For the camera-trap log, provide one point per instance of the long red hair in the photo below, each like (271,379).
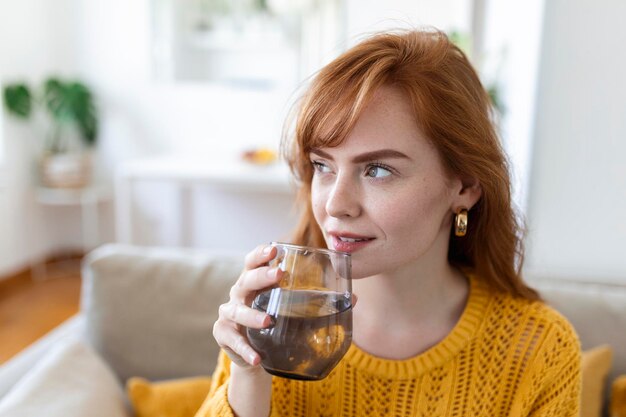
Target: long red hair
(453,110)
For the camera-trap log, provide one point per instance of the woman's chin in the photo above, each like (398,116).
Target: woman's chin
(360,270)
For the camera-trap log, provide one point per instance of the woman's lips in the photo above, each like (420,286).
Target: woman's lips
(349,244)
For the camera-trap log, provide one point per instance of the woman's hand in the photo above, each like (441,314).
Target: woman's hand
(236,314)
(249,392)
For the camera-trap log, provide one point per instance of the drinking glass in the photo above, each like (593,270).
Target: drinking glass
(311,309)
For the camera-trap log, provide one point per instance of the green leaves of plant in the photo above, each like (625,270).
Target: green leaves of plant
(18,100)
(70,102)
(67,102)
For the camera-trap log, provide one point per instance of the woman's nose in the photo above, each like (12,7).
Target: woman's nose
(343,198)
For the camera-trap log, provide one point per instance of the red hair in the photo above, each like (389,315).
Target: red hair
(453,110)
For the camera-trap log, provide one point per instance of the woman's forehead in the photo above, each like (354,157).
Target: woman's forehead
(386,119)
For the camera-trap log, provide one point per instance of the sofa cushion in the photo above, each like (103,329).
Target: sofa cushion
(595,366)
(150,311)
(618,397)
(71,380)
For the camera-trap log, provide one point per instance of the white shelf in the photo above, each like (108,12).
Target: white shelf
(68,196)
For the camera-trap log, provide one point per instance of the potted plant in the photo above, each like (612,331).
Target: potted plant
(72,127)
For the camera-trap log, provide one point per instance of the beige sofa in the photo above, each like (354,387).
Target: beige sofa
(149,312)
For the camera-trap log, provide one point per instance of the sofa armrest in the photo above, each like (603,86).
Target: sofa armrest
(13,370)
(71,380)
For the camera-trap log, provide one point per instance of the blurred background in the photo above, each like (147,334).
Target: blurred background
(157,122)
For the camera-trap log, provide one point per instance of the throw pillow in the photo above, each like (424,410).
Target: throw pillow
(70,381)
(174,398)
(618,397)
(596,364)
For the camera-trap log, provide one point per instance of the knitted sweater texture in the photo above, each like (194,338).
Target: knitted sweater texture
(505,357)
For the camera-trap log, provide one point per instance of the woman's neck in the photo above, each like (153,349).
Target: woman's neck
(404,312)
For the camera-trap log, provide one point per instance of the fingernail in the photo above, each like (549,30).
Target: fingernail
(266,318)
(267,250)
(272,272)
(261,318)
(251,358)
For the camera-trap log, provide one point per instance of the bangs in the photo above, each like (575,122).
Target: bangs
(330,114)
(335,100)
(338,96)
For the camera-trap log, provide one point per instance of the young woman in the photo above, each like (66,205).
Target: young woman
(399,164)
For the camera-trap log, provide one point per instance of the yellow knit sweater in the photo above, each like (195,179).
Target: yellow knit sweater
(505,357)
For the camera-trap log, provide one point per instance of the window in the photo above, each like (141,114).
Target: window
(242,43)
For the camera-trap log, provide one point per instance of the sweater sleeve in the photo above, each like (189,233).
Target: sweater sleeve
(555,383)
(216,403)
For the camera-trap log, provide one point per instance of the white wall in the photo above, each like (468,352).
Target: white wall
(367,16)
(143,116)
(108,45)
(147,116)
(578,181)
(509,57)
(578,191)
(35,41)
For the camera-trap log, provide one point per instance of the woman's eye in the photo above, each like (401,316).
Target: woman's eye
(320,167)
(377,171)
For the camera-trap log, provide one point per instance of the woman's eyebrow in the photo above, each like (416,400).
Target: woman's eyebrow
(367,156)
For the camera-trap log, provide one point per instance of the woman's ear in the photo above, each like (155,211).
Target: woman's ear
(469,193)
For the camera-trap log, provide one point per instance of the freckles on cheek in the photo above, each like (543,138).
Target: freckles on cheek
(397,208)
(402,218)
(318,206)
(390,216)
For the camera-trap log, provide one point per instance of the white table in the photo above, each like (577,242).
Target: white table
(230,174)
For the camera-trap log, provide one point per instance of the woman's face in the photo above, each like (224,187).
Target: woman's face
(383,194)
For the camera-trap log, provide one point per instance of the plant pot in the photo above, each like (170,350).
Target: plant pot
(66,170)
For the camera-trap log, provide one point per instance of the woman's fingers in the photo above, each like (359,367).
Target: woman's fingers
(252,281)
(244,315)
(236,314)
(260,256)
(235,345)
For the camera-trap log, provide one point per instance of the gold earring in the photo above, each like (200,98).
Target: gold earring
(460,222)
